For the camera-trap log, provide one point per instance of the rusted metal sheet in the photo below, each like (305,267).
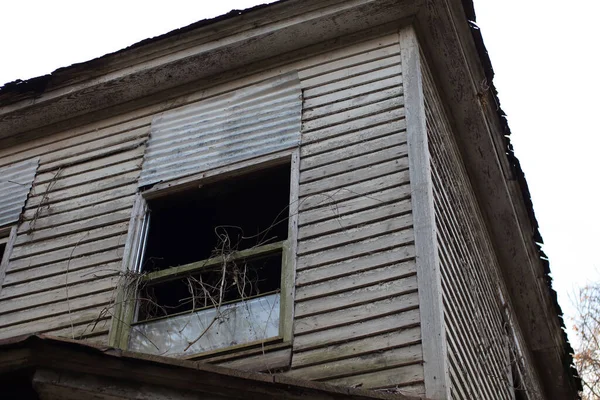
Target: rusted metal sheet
(235,126)
(15,184)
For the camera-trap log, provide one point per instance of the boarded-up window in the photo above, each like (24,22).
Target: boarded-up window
(249,122)
(15,184)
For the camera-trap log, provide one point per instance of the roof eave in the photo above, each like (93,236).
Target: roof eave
(177,60)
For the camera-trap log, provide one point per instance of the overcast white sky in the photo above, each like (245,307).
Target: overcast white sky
(544,52)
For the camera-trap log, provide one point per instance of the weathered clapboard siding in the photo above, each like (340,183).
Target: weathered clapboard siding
(479,350)
(356,304)
(356,279)
(65,263)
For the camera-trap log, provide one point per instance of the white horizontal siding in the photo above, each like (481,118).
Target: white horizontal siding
(356,305)
(479,365)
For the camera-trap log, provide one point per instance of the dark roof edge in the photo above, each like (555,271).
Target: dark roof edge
(519,174)
(43,350)
(37,85)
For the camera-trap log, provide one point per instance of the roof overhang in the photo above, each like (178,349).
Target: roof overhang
(172,63)
(178,59)
(56,369)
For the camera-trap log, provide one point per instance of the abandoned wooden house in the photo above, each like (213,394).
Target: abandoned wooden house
(322,190)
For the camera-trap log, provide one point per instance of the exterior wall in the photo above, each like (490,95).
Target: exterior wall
(356,315)
(356,302)
(485,348)
(66,258)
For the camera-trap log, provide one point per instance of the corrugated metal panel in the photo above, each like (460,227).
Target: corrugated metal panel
(236,126)
(15,184)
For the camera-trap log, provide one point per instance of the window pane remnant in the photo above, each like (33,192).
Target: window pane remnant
(233,324)
(232,280)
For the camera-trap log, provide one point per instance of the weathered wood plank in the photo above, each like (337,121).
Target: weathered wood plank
(70,253)
(69,138)
(357,330)
(369,121)
(326,61)
(313,148)
(383,84)
(351,102)
(355,281)
(350,235)
(91,200)
(353,149)
(69,241)
(344,166)
(399,195)
(101,259)
(357,313)
(357,249)
(92,165)
(414,390)
(393,104)
(53,315)
(396,377)
(375,53)
(82,190)
(377,259)
(354,194)
(94,148)
(363,295)
(262,362)
(85,178)
(377,74)
(342,181)
(358,347)
(57,301)
(368,67)
(98,326)
(66,230)
(348,221)
(52,220)
(364,364)
(48,283)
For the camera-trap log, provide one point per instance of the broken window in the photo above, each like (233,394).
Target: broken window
(212,265)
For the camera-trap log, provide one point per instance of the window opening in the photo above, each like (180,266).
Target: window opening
(215,252)
(3,243)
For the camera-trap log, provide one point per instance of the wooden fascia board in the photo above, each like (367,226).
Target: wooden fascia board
(295,29)
(450,49)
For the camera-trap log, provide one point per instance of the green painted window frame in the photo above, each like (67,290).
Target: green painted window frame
(126,301)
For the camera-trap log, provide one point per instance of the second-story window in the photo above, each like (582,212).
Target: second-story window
(212,265)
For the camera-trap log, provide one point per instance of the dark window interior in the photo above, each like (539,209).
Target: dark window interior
(232,214)
(2,249)
(214,220)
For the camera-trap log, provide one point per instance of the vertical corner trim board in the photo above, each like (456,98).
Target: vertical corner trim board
(428,263)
